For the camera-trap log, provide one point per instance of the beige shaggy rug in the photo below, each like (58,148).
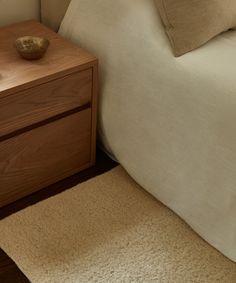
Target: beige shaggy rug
(108,229)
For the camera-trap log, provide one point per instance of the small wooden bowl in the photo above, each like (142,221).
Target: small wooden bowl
(31,47)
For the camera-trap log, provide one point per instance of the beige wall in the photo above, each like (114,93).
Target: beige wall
(53,12)
(12,11)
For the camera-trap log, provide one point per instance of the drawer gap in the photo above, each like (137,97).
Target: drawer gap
(45,122)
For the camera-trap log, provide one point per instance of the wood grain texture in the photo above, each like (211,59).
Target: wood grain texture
(45,155)
(45,132)
(46,100)
(62,58)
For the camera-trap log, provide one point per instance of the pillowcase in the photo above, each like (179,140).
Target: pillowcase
(53,11)
(191,23)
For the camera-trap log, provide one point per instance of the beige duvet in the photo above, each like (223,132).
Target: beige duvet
(171,122)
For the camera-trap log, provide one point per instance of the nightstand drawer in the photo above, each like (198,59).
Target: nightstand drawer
(44,155)
(36,104)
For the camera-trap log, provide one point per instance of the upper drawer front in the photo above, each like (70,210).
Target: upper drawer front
(44,101)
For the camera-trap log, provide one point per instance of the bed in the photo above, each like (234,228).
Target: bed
(169,121)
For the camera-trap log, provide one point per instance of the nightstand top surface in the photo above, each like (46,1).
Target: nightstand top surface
(61,59)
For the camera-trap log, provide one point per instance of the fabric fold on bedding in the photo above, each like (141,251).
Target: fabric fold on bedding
(169,121)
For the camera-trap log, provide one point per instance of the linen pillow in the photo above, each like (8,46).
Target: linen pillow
(191,23)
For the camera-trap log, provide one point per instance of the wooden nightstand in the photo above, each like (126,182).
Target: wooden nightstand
(47,113)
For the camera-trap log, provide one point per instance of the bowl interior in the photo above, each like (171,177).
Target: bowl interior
(31,44)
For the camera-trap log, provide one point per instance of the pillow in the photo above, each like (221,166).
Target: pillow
(53,11)
(191,23)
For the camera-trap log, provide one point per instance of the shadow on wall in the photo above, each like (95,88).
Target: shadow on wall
(53,11)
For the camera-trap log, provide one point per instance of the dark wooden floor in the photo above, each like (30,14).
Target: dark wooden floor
(9,273)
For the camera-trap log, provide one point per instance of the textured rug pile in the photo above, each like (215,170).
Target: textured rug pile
(108,229)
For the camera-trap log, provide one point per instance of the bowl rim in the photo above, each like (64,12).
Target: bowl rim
(19,39)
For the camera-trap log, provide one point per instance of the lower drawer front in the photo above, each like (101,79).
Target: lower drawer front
(45,155)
